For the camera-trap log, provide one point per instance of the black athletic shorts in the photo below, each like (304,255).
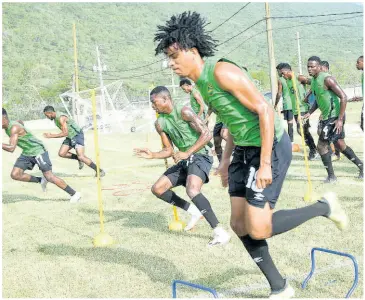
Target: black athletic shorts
(217,129)
(288,115)
(327,132)
(306,122)
(243,170)
(77,140)
(28,162)
(196,164)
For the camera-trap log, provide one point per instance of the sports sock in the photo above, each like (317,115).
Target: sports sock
(93,166)
(170,197)
(327,162)
(337,152)
(219,157)
(35,179)
(349,153)
(74,156)
(259,251)
(69,190)
(291,131)
(203,205)
(285,220)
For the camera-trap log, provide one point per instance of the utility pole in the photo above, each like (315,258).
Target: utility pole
(299,57)
(76,77)
(99,68)
(165,65)
(273,79)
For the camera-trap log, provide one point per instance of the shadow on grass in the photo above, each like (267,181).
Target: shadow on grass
(156,268)
(135,219)
(14,198)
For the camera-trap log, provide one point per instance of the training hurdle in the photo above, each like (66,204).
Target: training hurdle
(192,285)
(356,269)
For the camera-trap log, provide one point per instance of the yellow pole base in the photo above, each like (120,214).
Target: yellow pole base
(177,225)
(103,240)
(310,197)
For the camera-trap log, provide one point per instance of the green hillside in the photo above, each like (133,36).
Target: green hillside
(38,46)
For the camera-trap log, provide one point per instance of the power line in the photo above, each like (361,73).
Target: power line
(136,68)
(323,15)
(230,17)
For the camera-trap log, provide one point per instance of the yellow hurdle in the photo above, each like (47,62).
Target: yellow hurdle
(176,224)
(308,197)
(102,239)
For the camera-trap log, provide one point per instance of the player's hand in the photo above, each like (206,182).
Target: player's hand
(47,135)
(206,121)
(222,171)
(264,177)
(177,156)
(338,126)
(306,117)
(143,153)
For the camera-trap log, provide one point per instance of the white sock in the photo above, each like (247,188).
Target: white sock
(193,210)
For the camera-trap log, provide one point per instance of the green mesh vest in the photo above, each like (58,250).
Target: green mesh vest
(286,97)
(30,145)
(72,128)
(179,131)
(242,123)
(304,107)
(328,102)
(195,105)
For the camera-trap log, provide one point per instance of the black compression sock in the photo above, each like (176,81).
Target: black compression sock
(171,198)
(327,162)
(93,166)
(349,153)
(74,156)
(285,220)
(206,210)
(259,251)
(291,131)
(35,179)
(69,190)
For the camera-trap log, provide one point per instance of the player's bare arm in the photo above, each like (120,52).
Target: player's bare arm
(332,84)
(200,100)
(13,141)
(198,125)
(226,160)
(231,79)
(278,95)
(166,151)
(64,130)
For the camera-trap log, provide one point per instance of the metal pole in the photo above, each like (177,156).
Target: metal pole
(273,79)
(76,78)
(299,56)
(102,100)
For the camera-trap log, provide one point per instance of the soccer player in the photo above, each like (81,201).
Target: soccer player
(360,66)
(181,126)
(263,149)
(196,100)
(287,105)
(74,138)
(34,153)
(331,100)
(287,73)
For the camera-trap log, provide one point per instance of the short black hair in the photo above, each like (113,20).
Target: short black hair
(325,64)
(48,108)
(285,66)
(188,31)
(185,81)
(315,58)
(361,57)
(278,67)
(160,90)
(4,112)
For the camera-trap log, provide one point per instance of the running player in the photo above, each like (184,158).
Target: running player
(193,160)
(283,91)
(34,153)
(360,66)
(331,100)
(263,150)
(287,73)
(196,100)
(74,138)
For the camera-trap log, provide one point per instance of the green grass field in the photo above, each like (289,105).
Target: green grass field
(47,242)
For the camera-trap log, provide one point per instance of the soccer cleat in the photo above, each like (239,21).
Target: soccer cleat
(332,179)
(102,173)
(285,293)
(220,237)
(81,164)
(44,182)
(313,155)
(75,198)
(337,215)
(335,157)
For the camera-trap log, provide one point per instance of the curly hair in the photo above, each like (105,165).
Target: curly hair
(188,31)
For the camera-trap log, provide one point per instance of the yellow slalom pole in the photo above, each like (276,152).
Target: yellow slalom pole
(176,224)
(102,239)
(308,197)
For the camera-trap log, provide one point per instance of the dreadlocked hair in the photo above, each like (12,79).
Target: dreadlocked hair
(188,31)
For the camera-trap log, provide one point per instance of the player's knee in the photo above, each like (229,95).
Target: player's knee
(62,154)
(192,191)
(49,176)
(260,233)
(15,175)
(157,190)
(238,227)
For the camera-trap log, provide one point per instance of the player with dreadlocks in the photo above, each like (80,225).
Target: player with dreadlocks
(263,150)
